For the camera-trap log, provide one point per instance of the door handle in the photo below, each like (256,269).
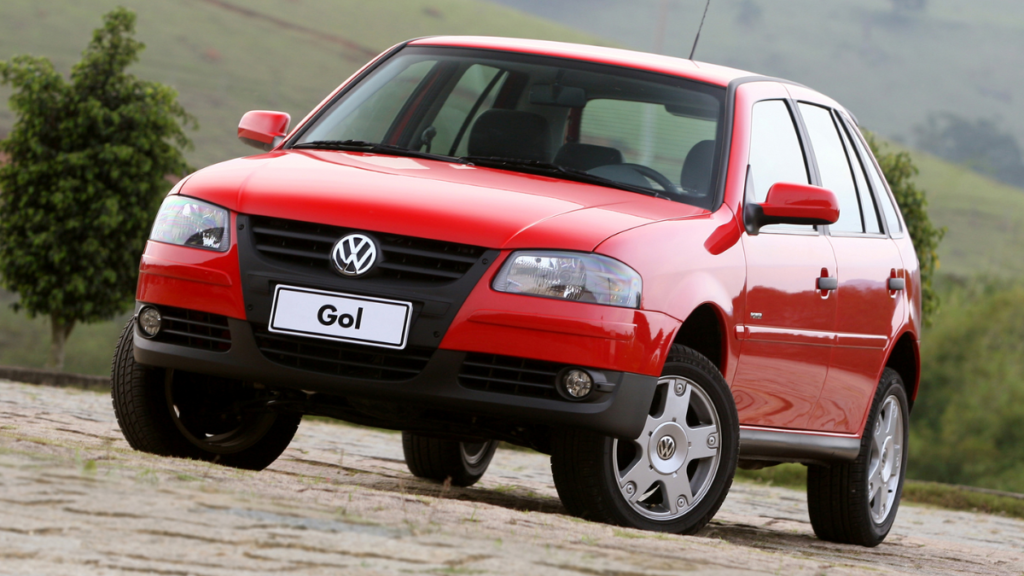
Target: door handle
(897,284)
(827,283)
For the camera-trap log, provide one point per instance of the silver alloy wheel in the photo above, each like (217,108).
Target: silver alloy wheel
(473,452)
(249,431)
(885,459)
(669,468)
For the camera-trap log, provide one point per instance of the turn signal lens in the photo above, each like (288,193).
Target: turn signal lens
(570,276)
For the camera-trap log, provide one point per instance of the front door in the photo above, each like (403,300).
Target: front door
(790,324)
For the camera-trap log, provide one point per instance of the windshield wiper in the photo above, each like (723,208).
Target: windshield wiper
(364,146)
(567,173)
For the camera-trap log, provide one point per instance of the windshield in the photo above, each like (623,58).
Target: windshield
(613,126)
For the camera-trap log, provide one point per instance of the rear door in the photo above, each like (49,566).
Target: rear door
(788,331)
(868,312)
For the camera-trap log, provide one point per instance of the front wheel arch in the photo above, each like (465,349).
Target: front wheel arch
(704,332)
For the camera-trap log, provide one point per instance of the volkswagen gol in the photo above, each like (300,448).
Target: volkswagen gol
(650,268)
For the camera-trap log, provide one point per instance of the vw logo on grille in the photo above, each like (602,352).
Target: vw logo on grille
(354,255)
(666,447)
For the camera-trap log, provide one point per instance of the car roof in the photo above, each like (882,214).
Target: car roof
(701,71)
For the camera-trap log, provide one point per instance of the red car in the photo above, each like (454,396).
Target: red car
(652,269)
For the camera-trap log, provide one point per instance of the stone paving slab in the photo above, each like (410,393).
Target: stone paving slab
(75,499)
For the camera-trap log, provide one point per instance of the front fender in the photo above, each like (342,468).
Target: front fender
(680,272)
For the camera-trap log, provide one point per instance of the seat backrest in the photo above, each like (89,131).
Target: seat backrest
(697,168)
(510,134)
(586,156)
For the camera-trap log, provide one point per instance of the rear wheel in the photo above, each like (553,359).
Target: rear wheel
(187,415)
(438,459)
(855,502)
(675,475)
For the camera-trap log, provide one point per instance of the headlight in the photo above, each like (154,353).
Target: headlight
(570,276)
(189,222)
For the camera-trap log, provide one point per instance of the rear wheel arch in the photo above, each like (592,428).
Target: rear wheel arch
(905,359)
(704,332)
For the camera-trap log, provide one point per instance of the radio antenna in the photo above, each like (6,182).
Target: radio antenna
(697,39)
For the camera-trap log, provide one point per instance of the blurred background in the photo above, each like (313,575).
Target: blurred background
(940,78)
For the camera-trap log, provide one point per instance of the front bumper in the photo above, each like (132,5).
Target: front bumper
(620,409)
(455,322)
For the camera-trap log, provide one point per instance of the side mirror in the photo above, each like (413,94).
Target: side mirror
(789,203)
(263,129)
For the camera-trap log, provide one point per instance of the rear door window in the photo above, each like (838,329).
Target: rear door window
(882,193)
(834,167)
(872,225)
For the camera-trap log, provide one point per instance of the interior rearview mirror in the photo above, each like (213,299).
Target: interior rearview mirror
(263,129)
(557,95)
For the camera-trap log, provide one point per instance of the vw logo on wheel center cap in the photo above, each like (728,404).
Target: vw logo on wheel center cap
(354,255)
(666,447)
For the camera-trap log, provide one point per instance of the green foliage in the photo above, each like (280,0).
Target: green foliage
(785,475)
(966,426)
(88,160)
(899,171)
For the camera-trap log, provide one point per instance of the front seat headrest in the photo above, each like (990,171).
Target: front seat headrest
(697,168)
(510,134)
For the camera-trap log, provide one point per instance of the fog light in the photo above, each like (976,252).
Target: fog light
(577,384)
(149,321)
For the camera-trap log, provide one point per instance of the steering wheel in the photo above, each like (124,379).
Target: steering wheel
(657,177)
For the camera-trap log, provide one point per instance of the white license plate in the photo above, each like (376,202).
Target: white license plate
(341,317)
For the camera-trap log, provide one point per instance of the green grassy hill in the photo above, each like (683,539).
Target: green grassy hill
(226,57)
(985,219)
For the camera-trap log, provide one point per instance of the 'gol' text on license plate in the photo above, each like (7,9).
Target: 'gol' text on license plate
(342,317)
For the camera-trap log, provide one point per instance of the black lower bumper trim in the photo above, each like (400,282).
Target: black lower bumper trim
(620,412)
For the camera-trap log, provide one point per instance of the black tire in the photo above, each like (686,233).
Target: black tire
(144,403)
(586,468)
(437,459)
(843,502)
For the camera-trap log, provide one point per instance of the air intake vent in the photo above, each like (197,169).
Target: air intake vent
(404,257)
(509,375)
(194,329)
(340,359)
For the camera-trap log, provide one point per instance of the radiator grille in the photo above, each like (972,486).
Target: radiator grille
(404,257)
(339,358)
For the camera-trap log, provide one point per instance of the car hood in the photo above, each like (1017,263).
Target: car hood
(429,199)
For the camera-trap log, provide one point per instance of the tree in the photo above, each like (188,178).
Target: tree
(87,164)
(899,169)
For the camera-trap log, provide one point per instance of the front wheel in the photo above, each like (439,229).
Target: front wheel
(675,475)
(186,415)
(855,502)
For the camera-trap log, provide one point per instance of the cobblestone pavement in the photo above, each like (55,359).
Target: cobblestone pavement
(74,499)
